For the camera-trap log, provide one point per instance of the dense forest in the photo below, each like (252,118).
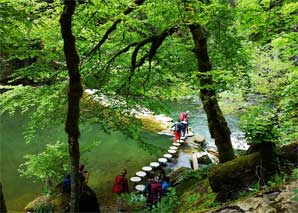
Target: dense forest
(91,64)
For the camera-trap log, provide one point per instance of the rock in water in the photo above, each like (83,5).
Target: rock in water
(203,158)
(199,139)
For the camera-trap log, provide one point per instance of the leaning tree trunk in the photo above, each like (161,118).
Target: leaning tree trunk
(74,96)
(2,201)
(217,124)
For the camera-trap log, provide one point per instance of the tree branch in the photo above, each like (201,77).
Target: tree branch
(113,28)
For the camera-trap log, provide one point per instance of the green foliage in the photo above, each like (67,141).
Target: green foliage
(50,166)
(135,201)
(168,203)
(295,198)
(269,30)
(294,174)
(260,124)
(277,180)
(44,208)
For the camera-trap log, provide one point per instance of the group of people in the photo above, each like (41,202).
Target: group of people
(155,189)
(180,127)
(156,186)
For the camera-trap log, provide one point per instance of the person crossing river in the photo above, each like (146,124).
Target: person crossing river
(177,127)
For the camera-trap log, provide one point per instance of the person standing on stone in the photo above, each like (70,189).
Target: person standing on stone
(153,191)
(184,126)
(184,117)
(177,130)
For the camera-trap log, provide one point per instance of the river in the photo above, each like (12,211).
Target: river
(106,160)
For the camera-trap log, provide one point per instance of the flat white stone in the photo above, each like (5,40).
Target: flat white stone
(154,164)
(141,174)
(176,144)
(147,168)
(135,179)
(140,187)
(173,147)
(180,141)
(162,160)
(190,134)
(169,156)
(171,151)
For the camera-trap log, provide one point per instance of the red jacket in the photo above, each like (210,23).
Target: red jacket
(182,116)
(120,185)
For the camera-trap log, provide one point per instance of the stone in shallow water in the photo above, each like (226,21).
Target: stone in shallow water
(141,174)
(147,168)
(154,164)
(140,187)
(162,160)
(135,179)
(169,156)
(171,151)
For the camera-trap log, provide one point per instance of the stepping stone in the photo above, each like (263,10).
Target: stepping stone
(162,160)
(183,138)
(147,168)
(171,151)
(169,156)
(141,174)
(135,179)
(180,141)
(140,187)
(190,134)
(176,144)
(173,147)
(154,164)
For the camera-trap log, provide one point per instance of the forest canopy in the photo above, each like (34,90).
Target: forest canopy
(141,52)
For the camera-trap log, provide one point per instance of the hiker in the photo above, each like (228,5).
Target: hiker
(184,126)
(165,185)
(121,183)
(84,175)
(66,184)
(177,130)
(152,191)
(184,116)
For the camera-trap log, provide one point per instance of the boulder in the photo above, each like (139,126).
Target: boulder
(203,158)
(44,201)
(213,152)
(229,178)
(199,139)
(273,200)
(59,201)
(289,153)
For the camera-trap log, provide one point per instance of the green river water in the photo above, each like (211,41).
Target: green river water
(104,162)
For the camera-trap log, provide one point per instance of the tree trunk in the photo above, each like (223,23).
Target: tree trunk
(74,96)
(2,201)
(217,124)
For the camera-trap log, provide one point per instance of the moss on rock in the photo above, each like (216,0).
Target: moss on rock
(229,178)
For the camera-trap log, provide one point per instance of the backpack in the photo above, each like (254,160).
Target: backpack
(155,191)
(178,127)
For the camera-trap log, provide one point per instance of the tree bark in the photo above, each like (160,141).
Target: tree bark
(217,124)
(74,96)
(2,201)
